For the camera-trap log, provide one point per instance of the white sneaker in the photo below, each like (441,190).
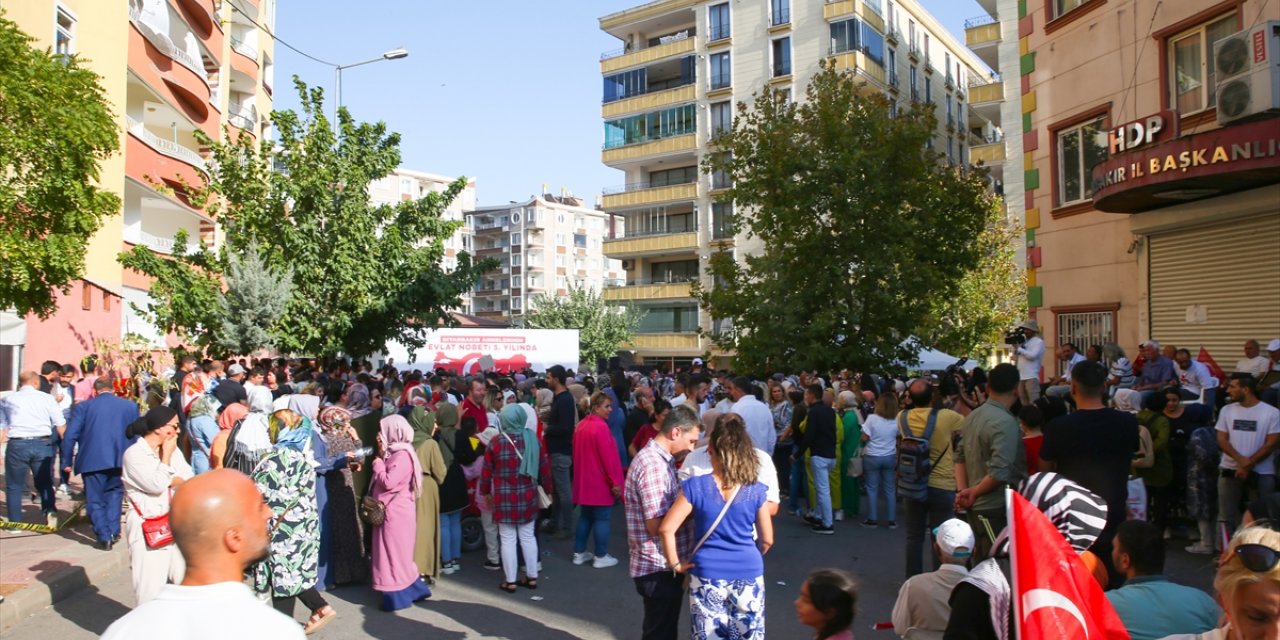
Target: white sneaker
(448,569)
(64,491)
(839,516)
(52,519)
(1201,549)
(604,562)
(583,558)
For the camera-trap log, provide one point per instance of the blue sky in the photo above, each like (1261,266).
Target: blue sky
(502,91)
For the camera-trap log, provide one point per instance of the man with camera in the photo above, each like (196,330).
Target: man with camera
(1029,348)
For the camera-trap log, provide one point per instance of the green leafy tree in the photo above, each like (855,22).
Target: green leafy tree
(602,328)
(185,291)
(253,303)
(55,130)
(991,298)
(862,229)
(362,275)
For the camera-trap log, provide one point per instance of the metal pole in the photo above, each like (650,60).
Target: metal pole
(337,97)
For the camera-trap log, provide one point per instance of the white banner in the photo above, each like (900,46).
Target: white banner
(461,350)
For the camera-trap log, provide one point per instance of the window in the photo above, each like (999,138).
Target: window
(580,240)
(722,226)
(784,95)
(64,35)
(718,22)
(928,90)
(844,36)
(646,127)
(891,57)
(1079,148)
(720,179)
(1191,70)
(721,118)
(681,319)
(872,43)
(625,85)
(561,282)
(515,239)
(515,259)
(1086,328)
(560,238)
(950,118)
(946,66)
(781,11)
(721,71)
(561,260)
(911,34)
(681,175)
(915,95)
(1063,7)
(678,271)
(781,57)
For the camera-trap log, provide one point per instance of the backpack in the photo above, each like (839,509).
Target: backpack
(914,464)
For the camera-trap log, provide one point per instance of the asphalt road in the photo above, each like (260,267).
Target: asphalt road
(576,601)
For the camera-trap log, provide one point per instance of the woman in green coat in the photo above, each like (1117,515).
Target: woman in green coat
(850,446)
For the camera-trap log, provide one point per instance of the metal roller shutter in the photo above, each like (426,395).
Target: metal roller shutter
(1230,273)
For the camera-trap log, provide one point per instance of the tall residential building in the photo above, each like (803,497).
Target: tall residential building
(1152,171)
(404,184)
(169,68)
(672,86)
(543,245)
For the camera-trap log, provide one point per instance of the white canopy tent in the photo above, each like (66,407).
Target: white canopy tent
(929,359)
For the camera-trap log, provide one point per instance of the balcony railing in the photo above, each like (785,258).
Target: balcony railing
(657,230)
(638,186)
(243,48)
(979,81)
(718,32)
(162,245)
(166,147)
(675,37)
(913,50)
(638,282)
(781,15)
(244,116)
(893,78)
(648,91)
(874,5)
(980,21)
(721,80)
(165,45)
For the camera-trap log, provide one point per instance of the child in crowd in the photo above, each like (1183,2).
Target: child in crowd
(827,601)
(1031,419)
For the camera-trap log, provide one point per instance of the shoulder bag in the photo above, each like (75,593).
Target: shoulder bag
(544,500)
(373,510)
(155,531)
(710,530)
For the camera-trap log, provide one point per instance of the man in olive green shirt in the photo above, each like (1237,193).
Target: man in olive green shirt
(991,457)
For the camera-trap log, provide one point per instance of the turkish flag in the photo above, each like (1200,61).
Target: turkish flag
(1055,596)
(1214,369)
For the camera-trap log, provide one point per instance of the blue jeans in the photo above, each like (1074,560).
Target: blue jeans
(562,482)
(593,521)
(450,536)
(34,455)
(822,486)
(798,488)
(879,476)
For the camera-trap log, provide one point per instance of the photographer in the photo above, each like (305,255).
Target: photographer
(1030,350)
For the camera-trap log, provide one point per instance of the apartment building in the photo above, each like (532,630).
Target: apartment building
(1152,171)
(404,184)
(543,246)
(672,85)
(169,68)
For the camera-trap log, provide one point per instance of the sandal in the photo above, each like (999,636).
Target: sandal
(508,587)
(528,583)
(319,619)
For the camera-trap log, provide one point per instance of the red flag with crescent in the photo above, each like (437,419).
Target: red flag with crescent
(1055,595)
(1214,370)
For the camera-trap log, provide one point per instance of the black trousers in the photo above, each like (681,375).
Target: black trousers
(310,598)
(663,595)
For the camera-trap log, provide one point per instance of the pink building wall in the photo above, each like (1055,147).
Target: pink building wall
(70,333)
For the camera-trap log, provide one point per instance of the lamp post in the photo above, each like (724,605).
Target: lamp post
(394,54)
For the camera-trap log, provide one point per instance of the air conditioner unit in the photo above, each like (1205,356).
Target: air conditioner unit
(627,265)
(1247,66)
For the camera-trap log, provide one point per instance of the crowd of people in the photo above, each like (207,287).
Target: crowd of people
(365,476)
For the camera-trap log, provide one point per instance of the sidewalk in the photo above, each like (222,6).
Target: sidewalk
(39,569)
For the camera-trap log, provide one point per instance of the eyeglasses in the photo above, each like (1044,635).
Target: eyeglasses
(1257,558)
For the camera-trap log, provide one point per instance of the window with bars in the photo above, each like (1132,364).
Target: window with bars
(1086,328)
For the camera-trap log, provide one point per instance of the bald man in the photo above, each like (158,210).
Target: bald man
(219,522)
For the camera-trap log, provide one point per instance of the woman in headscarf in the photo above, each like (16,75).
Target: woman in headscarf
(426,551)
(287,479)
(358,400)
(153,466)
(460,453)
(202,429)
(515,464)
(306,407)
(342,557)
(249,440)
(397,483)
(850,444)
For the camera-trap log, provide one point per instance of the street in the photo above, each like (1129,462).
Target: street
(577,601)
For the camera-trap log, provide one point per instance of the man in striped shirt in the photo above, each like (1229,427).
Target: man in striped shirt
(650,489)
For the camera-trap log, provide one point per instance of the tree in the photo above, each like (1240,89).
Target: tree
(254,301)
(863,229)
(602,327)
(362,275)
(55,130)
(991,298)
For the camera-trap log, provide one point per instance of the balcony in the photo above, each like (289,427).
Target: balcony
(621,59)
(643,194)
(639,291)
(982,36)
(867,69)
(651,245)
(913,52)
(633,152)
(990,152)
(675,342)
(164,147)
(650,101)
(165,45)
(865,9)
(243,116)
(152,219)
(243,48)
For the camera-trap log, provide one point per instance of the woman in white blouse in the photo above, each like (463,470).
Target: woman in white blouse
(153,467)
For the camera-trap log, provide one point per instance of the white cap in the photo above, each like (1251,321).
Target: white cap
(955,538)
(1274,345)
(697,361)
(280,404)
(235,369)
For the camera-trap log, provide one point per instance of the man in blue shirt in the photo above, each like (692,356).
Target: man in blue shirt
(98,426)
(30,418)
(1150,606)
(1157,371)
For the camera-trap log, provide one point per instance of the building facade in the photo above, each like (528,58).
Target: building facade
(543,246)
(403,185)
(1152,171)
(169,68)
(672,86)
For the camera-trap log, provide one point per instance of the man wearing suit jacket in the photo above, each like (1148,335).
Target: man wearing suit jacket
(98,425)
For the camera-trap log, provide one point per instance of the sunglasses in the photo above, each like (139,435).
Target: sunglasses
(1257,558)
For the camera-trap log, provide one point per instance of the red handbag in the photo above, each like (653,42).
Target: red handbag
(155,531)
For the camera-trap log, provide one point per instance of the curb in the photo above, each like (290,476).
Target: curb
(60,585)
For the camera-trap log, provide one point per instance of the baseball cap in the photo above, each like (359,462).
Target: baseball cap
(955,538)
(697,360)
(235,369)
(1274,345)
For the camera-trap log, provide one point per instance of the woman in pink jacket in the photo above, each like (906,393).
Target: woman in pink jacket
(597,482)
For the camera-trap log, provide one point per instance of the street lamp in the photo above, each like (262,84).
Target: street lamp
(394,54)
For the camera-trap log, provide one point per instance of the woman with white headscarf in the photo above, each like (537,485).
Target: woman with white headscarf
(250,439)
